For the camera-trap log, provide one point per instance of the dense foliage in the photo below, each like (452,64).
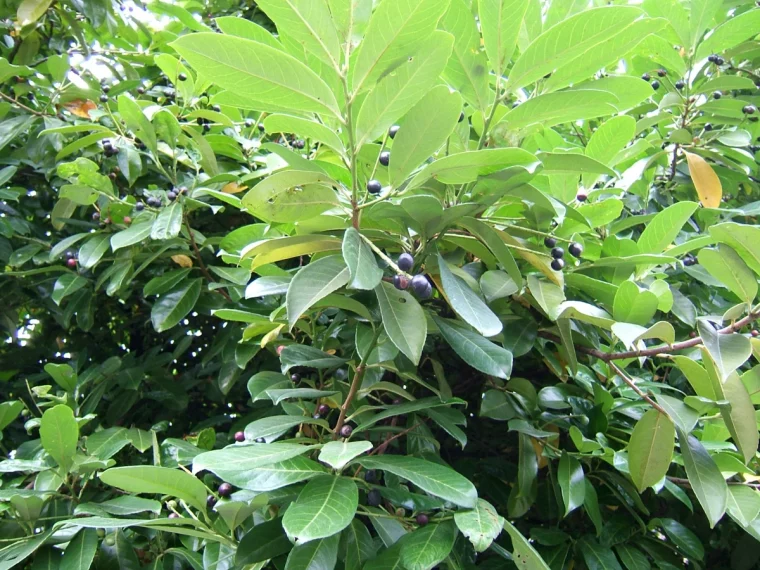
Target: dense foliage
(380,284)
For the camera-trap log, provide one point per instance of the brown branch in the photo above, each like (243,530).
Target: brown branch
(21,105)
(355,383)
(380,449)
(657,350)
(628,380)
(202,265)
(687,483)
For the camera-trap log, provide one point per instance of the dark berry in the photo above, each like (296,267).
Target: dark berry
(550,242)
(400,282)
(405,262)
(558,264)
(141,90)
(581,196)
(370,476)
(69,255)
(680,84)
(461,116)
(749,109)
(374,498)
(95,217)
(249,123)
(200,121)
(558,253)
(261,127)
(341,374)
(421,286)
(712,58)
(646,77)
(295,378)
(104,98)
(106,88)
(206,127)
(689,260)
(662,72)
(374,186)
(299,143)
(71,263)
(717,95)
(385,158)
(239,436)
(171,195)
(575,249)
(422,519)
(139,206)
(259,440)
(323,409)
(655,85)
(316,416)
(217,108)
(224,490)
(346,431)
(210,501)
(708,127)
(182,77)
(393,130)
(719,60)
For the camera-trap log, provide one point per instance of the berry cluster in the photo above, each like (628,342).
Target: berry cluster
(558,254)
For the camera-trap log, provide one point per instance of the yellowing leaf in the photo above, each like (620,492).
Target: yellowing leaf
(182,260)
(80,108)
(233,188)
(705,180)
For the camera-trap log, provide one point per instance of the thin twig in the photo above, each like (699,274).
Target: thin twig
(21,105)
(355,383)
(628,380)
(202,265)
(380,449)
(687,483)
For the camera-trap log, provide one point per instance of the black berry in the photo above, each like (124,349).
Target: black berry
(374,186)
(575,249)
(422,519)
(239,436)
(749,109)
(655,85)
(558,253)
(182,77)
(550,242)
(558,264)
(708,127)
(206,128)
(299,143)
(689,260)
(662,72)
(712,58)
(104,98)
(346,431)
(680,85)
(400,282)
(139,206)
(374,498)
(106,88)
(249,123)
(393,130)
(646,77)
(581,197)
(370,476)
(210,501)
(385,158)
(323,409)
(421,286)
(171,195)
(95,217)
(141,90)
(224,490)
(719,60)
(261,127)
(296,378)
(405,262)
(216,108)
(717,95)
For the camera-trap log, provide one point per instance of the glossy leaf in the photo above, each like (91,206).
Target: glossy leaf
(571,482)
(475,350)
(80,552)
(314,282)
(427,546)
(650,449)
(325,507)
(362,266)
(315,555)
(481,525)
(157,480)
(172,307)
(727,267)
(705,478)
(403,320)
(665,226)
(728,351)
(500,25)
(339,453)
(59,434)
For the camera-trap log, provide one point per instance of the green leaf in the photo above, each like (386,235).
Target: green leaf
(743,504)
(278,396)
(743,238)
(740,416)
(500,23)
(427,546)
(63,375)
(465,167)
(700,17)
(137,122)
(728,351)
(466,303)
(467,69)
(365,274)
(608,140)
(481,525)
(683,538)
(268,285)
(263,542)
(132,235)
(704,476)
(730,33)
(339,453)
(245,66)
(397,92)
(29,11)
(497,285)
(493,241)
(315,555)
(80,552)
(325,506)
(358,545)
(475,350)
(9,411)
(240,458)
(727,267)
(523,552)
(433,478)
(291,196)
(314,282)
(403,320)
(632,558)
(273,427)
(422,133)
(552,109)
(633,304)
(310,129)
(598,557)
(396,31)
(179,13)
(572,163)
(157,480)
(591,39)
(663,229)
(93,250)
(67,284)
(308,356)
(172,307)
(631,334)
(309,23)
(168,223)
(59,434)
(650,449)
(571,482)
